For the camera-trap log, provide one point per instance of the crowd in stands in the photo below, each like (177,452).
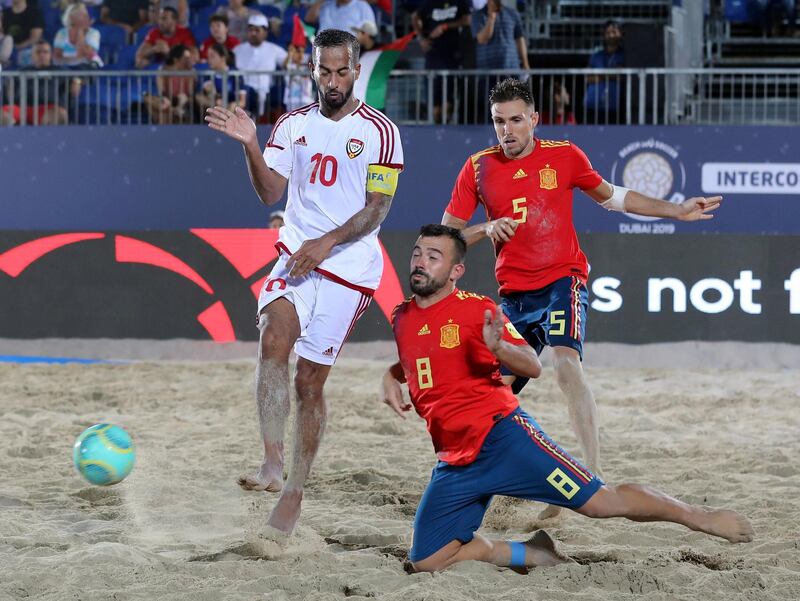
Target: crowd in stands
(193,44)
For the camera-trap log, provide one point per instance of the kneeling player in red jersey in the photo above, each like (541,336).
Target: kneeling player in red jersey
(451,346)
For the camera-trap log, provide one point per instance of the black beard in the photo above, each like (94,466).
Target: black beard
(344,97)
(427,288)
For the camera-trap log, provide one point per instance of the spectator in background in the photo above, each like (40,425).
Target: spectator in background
(559,112)
(500,45)
(602,99)
(77,43)
(46,102)
(128,14)
(257,54)
(340,14)
(173,103)
(25,24)
(437,23)
(181,7)
(221,89)
(159,40)
(299,89)
(366,34)
(238,15)
(218,27)
(276,217)
(6,46)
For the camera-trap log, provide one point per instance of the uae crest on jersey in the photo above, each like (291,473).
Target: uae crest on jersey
(354,147)
(449,336)
(547,178)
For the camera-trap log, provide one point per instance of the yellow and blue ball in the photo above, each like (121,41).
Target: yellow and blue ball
(104,454)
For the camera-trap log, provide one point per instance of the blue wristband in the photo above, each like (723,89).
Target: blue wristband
(517,554)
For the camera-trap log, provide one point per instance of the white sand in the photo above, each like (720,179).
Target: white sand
(179,528)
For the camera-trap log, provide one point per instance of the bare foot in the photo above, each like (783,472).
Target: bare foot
(727,524)
(543,548)
(549,512)
(265,479)
(286,511)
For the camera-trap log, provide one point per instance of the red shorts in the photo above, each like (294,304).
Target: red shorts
(30,111)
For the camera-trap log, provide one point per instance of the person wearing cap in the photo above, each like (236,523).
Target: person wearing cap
(341,14)
(238,15)
(366,35)
(276,220)
(257,54)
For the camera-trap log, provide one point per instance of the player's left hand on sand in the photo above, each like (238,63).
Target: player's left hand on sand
(310,254)
(493,325)
(699,207)
(236,125)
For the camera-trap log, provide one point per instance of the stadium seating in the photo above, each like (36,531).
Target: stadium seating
(113,39)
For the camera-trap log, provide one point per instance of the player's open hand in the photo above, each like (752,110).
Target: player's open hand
(235,124)
(699,207)
(501,230)
(392,394)
(493,324)
(310,254)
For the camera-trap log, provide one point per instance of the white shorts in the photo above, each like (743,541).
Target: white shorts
(327,311)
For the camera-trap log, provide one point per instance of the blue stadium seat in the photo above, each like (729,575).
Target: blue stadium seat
(200,33)
(201,16)
(113,38)
(738,11)
(126,59)
(269,11)
(52,21)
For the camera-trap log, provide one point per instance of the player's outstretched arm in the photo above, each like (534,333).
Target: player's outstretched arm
(499,230)
(522,359)
(392,392)
(268,184)
(617,198)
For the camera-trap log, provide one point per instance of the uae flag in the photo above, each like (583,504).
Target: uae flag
(375,67)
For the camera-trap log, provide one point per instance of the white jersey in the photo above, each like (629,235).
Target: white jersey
(326,164)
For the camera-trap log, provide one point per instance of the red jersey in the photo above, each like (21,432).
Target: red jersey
(182,35)
(535,191)
(230,43)
(453,377)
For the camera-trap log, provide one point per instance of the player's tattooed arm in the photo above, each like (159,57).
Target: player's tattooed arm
(313,252)
(391,391)
(693,209)
(520,359)
(499,230)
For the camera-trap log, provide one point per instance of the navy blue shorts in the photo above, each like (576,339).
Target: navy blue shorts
(551,316)
(517,460)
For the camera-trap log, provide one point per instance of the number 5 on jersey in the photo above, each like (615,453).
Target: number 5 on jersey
(322,165)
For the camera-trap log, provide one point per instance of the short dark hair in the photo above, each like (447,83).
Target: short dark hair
(175,54)
(331,38)
(227,55)
(169,9)
(219,18)
(435,230)
(611,22)
(511,89)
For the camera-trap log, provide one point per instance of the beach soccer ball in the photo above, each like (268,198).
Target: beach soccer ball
(104,454)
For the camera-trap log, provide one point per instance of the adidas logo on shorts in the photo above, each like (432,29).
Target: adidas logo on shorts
(329,352)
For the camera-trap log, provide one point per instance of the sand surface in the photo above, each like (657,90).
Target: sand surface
(179,528)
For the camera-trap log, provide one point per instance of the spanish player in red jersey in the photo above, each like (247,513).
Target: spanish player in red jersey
(525,185)
(451,345)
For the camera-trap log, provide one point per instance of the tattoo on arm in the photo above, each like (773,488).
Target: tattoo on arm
(366,220)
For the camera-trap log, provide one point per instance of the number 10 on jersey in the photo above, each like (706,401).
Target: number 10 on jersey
(325,167)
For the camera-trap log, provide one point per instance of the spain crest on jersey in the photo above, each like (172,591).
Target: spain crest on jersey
(547,178)
(354,147)
(449,336)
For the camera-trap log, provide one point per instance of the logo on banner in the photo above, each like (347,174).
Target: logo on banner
(354,147)
(651,167)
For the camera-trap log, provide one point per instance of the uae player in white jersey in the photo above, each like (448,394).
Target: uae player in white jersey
(340,159)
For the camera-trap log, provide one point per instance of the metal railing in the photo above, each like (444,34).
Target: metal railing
(582,96)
